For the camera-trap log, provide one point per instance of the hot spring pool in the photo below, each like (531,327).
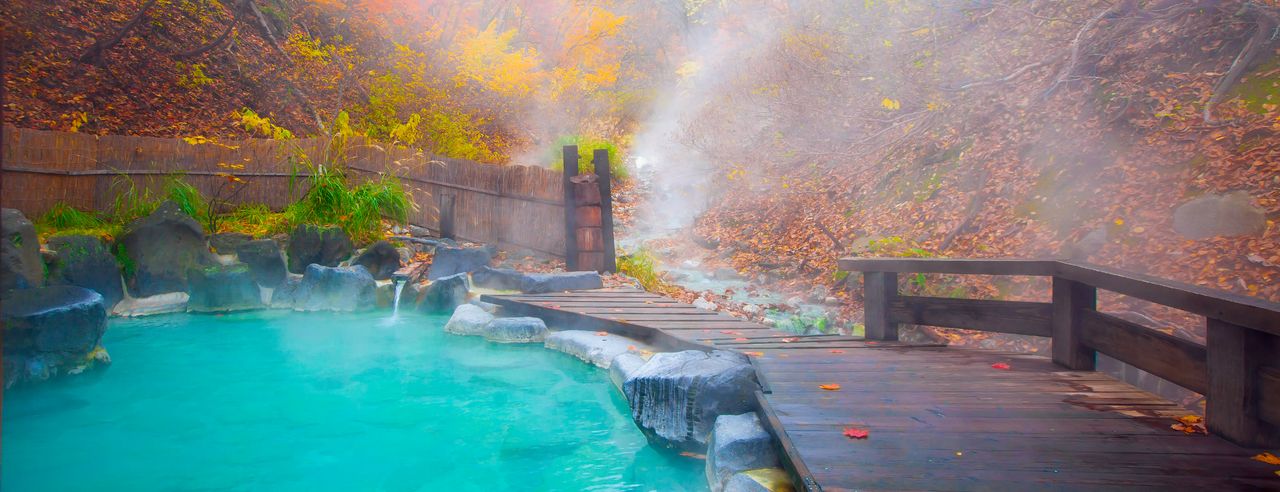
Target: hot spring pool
(274,400)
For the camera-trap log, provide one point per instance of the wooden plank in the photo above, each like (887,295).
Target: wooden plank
(1069,298)
(570,153)
(948,265)
(600,160)
(1240,310)
(792,460)
(881,288)
(1181,361)
(1269,394)
(1020,318)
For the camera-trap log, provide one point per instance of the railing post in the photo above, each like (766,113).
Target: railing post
(1069,298)
(881,288)
(600,159)
(1235,355)
(570,208)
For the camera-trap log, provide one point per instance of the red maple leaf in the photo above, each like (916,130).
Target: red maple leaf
(1001,366)
(855,433)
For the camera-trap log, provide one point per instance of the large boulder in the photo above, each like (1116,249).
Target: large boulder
(50,331)
(445,294)
(592,347)
(1231,214)
(225,243)
(452,261)
(622,367)
(468,319)
(20,264)
(309,244)
(264,260)
(541,283)
(381,259)
(498,278)
(221,288)
(516,330)
(675,397)
(759,480)
(160,249)
(738,443)
(86,261)
(328,289)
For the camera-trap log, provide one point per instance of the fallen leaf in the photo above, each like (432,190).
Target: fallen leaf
(855,433)
(1001,366)
(602,333)
(755,354)
(837,351)
(789,339)
(688,454)
(1194,419)
(1268,458)
(829,387)
(730,332)
(631,348)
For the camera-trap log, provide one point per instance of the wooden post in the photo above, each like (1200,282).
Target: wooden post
(570,202)
(880,289)
(600,159)
(1069,298)
(1235,356)
(446,217)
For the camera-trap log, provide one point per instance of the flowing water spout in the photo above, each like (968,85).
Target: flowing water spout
(398,280)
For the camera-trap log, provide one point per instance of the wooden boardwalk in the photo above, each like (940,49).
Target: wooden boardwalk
(938,418)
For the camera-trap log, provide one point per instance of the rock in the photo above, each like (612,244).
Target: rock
(738,443)
(286,294)
(486,306)
(160,249)
(222,288)
(759,480)
(599,350)
(705,242)
(325,288)
(264,260)
(445,294)
(750,308)
(819,293)
(225,243)
(416,231)
(20,264)
(85,261)
(701,303)
(468,319)
(381,260)
(540,283)
(516,330)
(1231,214)
(452,261)
(172,302)
(622,367)
(726,274)
(1088,245)
(690,264)
(405,252)
(498,278)
(309,244)
(675,397)
(831,301)
(50,330)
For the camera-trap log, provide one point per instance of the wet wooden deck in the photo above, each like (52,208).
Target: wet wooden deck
(938,418)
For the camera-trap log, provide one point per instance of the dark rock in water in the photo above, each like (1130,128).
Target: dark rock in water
(225,243)
(20,264)
(675,397)
(309,245)
(516,330)
(160,249)
(50,331)
(738,443)
(264,260)
(445,294)
(285,294)
(381,259)
(222,288)
(726,274)
(622,367)
(498,278)
(452,261)
(540,283)
(85,261)
(328,289)
(1232,214)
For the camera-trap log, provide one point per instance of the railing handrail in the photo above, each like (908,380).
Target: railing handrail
(1238,367)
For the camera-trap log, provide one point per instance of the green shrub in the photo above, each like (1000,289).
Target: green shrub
(188,198)
(359,210)
(130,203)
(642,266)
(63,216)
(254,219)
(586,151)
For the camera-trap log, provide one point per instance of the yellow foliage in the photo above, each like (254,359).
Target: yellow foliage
(487,58)
(891,104)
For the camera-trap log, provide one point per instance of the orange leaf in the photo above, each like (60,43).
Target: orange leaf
(789,339)
(837,351)
(1267,458)
(1001,366)
(689,454)
(602,333)
(855,433)
(829,387)
(755,354)
(740,339)
(1194,419)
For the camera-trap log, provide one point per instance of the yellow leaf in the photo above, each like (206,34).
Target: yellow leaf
(1191,419)
(829,387)
(888,44)
(1119,222)
(1268,458)
(890,104)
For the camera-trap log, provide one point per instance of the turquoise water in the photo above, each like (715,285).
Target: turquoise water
(282,401)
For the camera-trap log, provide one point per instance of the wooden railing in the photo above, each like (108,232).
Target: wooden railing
(1238,368)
